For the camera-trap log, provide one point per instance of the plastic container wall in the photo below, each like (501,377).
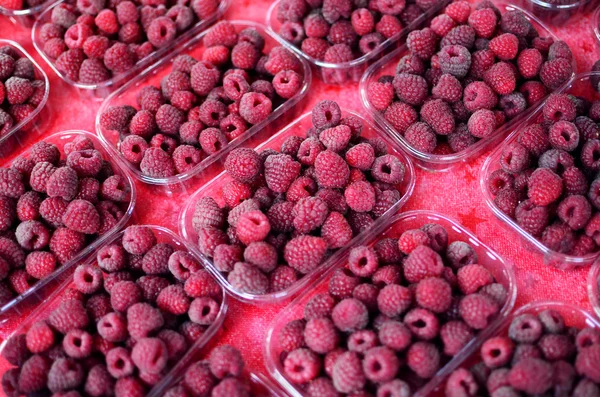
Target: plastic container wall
(593,288)
(596,25)
(30,127)
(442,162)
(27,16)
(558,13)
(501,269)
(102,90)
(14,311)
(189,181)
(350,72)
(213,189)
(579,85)
(48,301)
(574,317)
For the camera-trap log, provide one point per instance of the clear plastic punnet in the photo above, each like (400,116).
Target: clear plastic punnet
(30,127)
(443,162)
(213,189)
(578,85)
(103,89)
(593,288)
(26,16)
(559,12)
(46,300)
(501,269)
(13,312)
(596,25)
(573,315)
(188,181)
(350,72)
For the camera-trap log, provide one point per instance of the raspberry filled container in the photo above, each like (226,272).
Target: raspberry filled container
(349,72)
(103,89)
(593,288)
(26,16)
(501,269)
(15,137)
(47,300)
(558,13)
(574,316)
(188,181)
(579,85)
(443,162)
(213,189)
(14,311)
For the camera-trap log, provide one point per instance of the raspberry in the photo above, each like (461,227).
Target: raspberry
(439,116)
(501,78)
(18,90)
(77,344)
(348,374)
(421,263)
(81,216)
(157,163)
(161,31)
(302,365)
(388,26)
(66,243)
(544,187)
(459,11)
(455,60)
(455,335)
(497,351)
(305,253)
(424,359)
(247,278)
(555,72)
(360,196)
(124,294)
(515,158)
(156,260)
(33,375)
(482,123)
(69,315)
(483,22)
(512,104)
(39,337)
(320,335)
(119,58)
(88,279)
(422,43)
(410,88)
(505,46)
(434,294)
(558,237)
(477,310)
(281,278)
(400,116)
(531,375)
(149,355)
(255,107)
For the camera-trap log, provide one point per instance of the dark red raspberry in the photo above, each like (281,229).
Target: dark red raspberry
(544,187)
(482,123)
(422,43)
(410,88)
(501,78)
(400,116)
(305,253)
(555,72)
(439,116)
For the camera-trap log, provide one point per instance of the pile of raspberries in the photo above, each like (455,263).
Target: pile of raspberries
(203,104)
(538,355)
(547,180)
(20,4)
(121,327)
(466,75)
(222,375)
(20,92)
(93,40)
(338,31)
(399,310)
(280,214)
(52,206)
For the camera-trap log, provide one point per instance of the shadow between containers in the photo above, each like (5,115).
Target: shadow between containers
(103,89)
(163,235)
(492,163)
(446,162)
(501,269)
(12,313)
(151,76)
(209,189)
(349,72)
(11,140)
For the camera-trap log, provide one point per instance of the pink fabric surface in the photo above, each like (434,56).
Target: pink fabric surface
(455,193)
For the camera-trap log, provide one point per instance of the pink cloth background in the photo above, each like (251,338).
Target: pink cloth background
(454,193)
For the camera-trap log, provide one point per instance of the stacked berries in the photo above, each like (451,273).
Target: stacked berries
(547,180)
(338,31)
(466,75)
(402,306)
(52,206)
(121,327)
(203,104)
(280,214)
(92,41)
(538,355)
(221,375)
(20,91)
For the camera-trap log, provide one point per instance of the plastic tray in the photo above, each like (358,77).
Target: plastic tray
(596,25)
(152,76)
(594,288)
(12,140)
(578,85)
(13,312)
(102,90)
(442,162)
(500,269)
(558,14)
(348,72)
(574,317)
(50,300)
(27,16)
(213,188)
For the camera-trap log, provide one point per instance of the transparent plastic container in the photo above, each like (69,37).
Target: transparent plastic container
(27,16)
(47,300)
(126,95)
(594,288)
(501,269)
(596,25)
(578,85)
(349,72)
(442,162)
(103,89)
(574,316)
(12,313)
(557,14)
(15,138)
(213,189)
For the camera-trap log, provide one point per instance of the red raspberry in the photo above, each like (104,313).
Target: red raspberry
(255,107)
(92,71)
(119,58)
(477,310)
(305,253)
(112,327)
(281,278)
(34,374)
(291,336)
(243,165)
(564,135)
(15,350)
(247,278)
(421,263)
(462,35)
(124,294)
(424,359)
(360,196)
(422,43)
(544,187)
(81,216)
(142,319)
(459,11)
(505,46)
(455,335)
(534,139)
(380,95)
(460,254)
(69,315)
(201,284)
(252,226)
(482,123)
(88,279)
(555,72)
(388,26)
(18,90)
(434,294)
(501,78)
(161,31)
(400,116)
(262,255)
(342,284)
(410,88)
(455,60)
(117,118)
(156,260)
(280,171)
(77,344)
(529,62)
(39,337)
(149,355)
(483,21)
(245,55)
(302,365)
(157,163)
(66,243)
(439,116)
(531,375)
(442,24)
(515,158)
(281,59)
